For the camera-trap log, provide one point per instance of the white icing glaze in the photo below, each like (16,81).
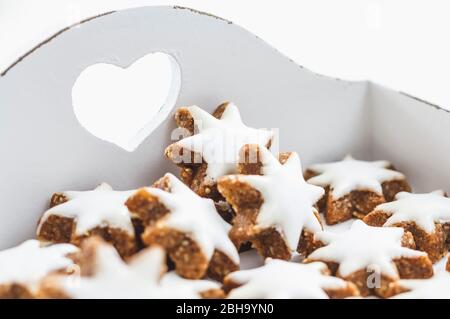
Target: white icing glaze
(282,279)
(196,216)
(437,287)
(99,207)
(29,262)
(173,286)
(423,209)
(114,279)
(364,247)
(350,174)
(219,141)
(140,279)
(288,199)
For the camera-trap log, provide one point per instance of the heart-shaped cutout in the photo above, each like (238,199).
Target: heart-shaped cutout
(124,105)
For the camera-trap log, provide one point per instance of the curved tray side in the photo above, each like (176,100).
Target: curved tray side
(45,149)
(414,135)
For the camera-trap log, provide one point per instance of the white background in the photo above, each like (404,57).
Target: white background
(403,44)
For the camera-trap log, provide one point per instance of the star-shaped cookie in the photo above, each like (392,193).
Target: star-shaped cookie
(187,226)
(173,286)
(275,208)
(424,215)
(75,215)
(364,250)
(217,141)
(282,279)
(437,287)
(22,267)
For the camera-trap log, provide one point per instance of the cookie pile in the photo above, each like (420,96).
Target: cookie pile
(185,237)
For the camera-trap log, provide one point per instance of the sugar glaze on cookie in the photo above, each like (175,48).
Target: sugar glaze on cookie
(29,262)
(349,174)
(220,140)
(113,278)
(141,278)
(196,216)
(283,279)
(364,247)
(173,286)
(288,200)
(437,287)
(102,206)
(423,209)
